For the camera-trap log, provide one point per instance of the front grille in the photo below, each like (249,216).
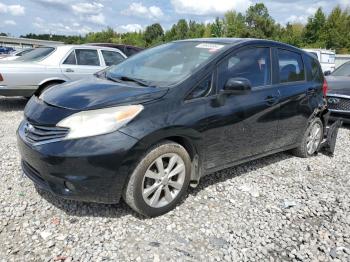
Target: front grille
(40,134)
(338,103)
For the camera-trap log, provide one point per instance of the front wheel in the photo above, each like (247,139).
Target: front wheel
(311,140)
(160,180)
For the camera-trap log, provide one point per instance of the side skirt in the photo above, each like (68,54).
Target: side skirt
(241,161)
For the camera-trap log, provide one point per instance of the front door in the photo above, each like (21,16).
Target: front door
(242,126)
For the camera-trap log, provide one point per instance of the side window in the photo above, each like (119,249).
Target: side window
(87,57)
(316,71)
(71,59)
(291,66)
(253,64)
(112,58)
(201,90)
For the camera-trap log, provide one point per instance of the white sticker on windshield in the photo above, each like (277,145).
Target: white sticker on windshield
(211,47)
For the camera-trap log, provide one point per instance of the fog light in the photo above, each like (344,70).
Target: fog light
(69,186)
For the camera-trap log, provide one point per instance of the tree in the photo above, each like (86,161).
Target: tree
(195,30)
(181,29)
(336,32)
(314,32)
(217,28)
(153,33)
(105,36)
(260,23)
(292,34)
(133,38)
(234,24)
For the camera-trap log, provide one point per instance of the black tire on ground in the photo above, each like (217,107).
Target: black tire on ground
(133,191)
(301,150)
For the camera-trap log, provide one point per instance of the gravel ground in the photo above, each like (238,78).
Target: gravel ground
(277,208)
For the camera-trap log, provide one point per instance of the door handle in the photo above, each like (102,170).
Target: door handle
(69,70)
(271,100)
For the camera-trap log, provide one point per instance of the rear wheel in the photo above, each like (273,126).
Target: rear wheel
(160,180)
(311,139)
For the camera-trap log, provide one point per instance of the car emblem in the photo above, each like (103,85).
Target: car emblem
(28,128)
(333,100)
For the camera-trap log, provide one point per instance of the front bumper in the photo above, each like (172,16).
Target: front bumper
(340,115)
(92,169)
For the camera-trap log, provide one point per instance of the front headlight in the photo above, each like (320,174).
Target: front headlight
(100,121)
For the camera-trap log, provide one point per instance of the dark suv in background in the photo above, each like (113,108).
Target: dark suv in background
(156,123)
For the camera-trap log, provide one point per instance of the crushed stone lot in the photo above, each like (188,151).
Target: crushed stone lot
(276,208)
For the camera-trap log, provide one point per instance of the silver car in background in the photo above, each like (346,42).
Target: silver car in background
(47,66)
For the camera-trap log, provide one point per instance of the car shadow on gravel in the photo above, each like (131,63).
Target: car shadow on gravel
(82,209)
(239,170)
(12,103)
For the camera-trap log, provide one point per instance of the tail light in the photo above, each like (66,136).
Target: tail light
(325,87)
(1,78)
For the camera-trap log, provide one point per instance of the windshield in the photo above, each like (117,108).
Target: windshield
(343,70)
(36,54)
(166,64)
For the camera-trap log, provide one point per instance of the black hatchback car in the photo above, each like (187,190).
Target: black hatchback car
(151,126)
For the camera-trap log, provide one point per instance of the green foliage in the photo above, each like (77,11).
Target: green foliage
(314,33)
(259,21)
(217,28)
(106,36)
(153,34)
(234,24)
(321,31)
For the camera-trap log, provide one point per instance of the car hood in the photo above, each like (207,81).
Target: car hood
(94,93)
(338,85)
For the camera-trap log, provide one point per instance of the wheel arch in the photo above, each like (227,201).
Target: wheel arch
(187,138)
(47,82)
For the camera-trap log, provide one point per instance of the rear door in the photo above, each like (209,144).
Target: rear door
(295,92)
(243,125)
(81,63)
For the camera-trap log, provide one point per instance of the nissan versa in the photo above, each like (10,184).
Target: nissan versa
(146,129)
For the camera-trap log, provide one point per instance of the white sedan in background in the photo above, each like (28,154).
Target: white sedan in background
(47,66)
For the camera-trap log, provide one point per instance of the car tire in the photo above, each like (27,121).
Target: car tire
(310,142)
(159,180)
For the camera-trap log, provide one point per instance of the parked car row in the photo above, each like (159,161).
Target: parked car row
(149,127)
(44,67)
(338,96)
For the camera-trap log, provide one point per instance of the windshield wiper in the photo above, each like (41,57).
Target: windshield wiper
(136,80)
(120,79)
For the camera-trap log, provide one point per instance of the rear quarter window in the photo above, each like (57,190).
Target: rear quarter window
(291,66)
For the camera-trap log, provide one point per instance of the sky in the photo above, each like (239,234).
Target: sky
(72,17)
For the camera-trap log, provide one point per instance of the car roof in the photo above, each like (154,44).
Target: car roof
(235,41)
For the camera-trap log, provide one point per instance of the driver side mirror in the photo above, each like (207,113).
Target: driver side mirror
(327,73)
(237,86)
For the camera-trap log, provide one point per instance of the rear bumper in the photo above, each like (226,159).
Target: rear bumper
(92,169)
(26,91)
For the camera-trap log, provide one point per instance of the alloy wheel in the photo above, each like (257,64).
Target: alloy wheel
(314,138)
(163,180)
